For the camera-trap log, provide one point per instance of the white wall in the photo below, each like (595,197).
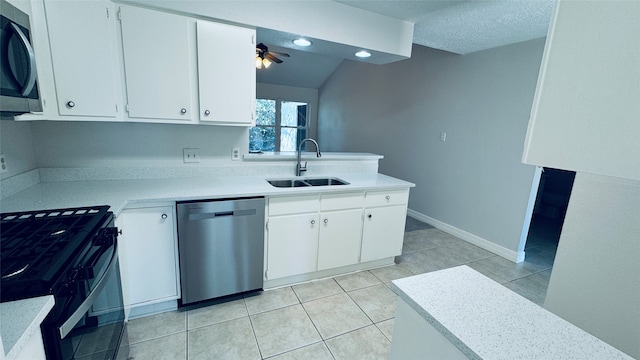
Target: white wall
(17,146)
(595,282)
(474,181)
(110,144)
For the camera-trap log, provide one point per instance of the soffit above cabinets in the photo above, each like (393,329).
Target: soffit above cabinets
(385,28)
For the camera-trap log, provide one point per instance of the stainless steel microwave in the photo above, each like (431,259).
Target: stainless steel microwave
(18,77)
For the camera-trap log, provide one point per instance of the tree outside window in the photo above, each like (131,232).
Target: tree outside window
(280,125)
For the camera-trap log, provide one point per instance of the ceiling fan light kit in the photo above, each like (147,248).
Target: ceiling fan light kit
(264,57)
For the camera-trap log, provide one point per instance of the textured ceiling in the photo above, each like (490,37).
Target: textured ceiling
(460,27)
(463,27)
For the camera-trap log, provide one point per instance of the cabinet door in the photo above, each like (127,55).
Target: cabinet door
(383,232)
(82,36)
(226,73)
(149,248)
(157,64)
(292,246)
(339,240)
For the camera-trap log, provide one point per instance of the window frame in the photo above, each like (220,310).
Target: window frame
(278,120)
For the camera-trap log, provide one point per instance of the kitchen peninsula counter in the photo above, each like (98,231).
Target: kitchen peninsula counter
(20,329)
(459,313)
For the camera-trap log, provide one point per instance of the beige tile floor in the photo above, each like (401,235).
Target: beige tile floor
(345,317)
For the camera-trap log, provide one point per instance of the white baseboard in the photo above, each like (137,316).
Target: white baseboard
(469,237)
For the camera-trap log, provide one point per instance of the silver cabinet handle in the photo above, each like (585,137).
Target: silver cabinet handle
(183,111)
(70,104)
(164,216)
(326,221)
(31,71)
(388,197)
(313,222)
(207,113)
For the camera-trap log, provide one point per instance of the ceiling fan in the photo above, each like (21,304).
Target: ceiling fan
(264,57)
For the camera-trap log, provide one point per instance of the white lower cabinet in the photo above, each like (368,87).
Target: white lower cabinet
(313,233)
(293,245)
(148,254)
(384,219)
(292,236)
(340,230)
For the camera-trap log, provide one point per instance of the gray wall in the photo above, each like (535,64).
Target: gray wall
(474,181)
(595,282)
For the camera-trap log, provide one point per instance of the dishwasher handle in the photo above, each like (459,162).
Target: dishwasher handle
(213,215)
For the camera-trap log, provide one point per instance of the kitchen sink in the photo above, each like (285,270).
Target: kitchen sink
(287,183)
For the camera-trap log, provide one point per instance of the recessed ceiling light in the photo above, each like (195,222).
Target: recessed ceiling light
(302,42)
(363,54)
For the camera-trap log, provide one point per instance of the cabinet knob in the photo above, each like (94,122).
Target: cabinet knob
(388,197)
(70,104)
(313,222)
(326,221)
(163,216)
(369,216)
(183,111)
(207,113)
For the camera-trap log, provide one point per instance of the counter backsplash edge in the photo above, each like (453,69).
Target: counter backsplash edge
(17,183)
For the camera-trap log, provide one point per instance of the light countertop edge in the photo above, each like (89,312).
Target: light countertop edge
(119,194)
(486,320)
(310,155)
(20,320)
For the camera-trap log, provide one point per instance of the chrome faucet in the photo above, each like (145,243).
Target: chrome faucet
(302,168)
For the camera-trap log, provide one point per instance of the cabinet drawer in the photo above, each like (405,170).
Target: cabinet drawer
(383,198)
(293,205)
(342,201)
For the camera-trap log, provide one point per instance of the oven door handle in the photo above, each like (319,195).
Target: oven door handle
(71,322)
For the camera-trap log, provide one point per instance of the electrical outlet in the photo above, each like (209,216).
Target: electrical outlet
(3,164)
(235,154)
(191,155)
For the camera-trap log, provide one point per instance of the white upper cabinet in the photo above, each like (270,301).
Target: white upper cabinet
(82,39)
(158,64)
(586,110)
(226,73)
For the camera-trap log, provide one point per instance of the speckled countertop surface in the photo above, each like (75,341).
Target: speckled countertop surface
(485,320)
(120,193)
(20,320)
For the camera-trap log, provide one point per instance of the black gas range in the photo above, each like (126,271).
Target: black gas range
(71,254)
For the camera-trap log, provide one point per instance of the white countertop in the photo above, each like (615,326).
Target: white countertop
(485,320)
(20,320)
(120,193)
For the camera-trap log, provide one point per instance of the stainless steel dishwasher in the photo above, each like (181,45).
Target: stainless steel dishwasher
(221,247)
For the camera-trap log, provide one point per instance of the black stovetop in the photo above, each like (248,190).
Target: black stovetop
(37,247)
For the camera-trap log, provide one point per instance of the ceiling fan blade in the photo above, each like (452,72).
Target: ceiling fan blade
(279,53)
(272,58)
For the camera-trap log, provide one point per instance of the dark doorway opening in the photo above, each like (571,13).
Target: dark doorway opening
(549,211)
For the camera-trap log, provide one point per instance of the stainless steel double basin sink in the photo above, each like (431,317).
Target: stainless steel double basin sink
(293,183)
